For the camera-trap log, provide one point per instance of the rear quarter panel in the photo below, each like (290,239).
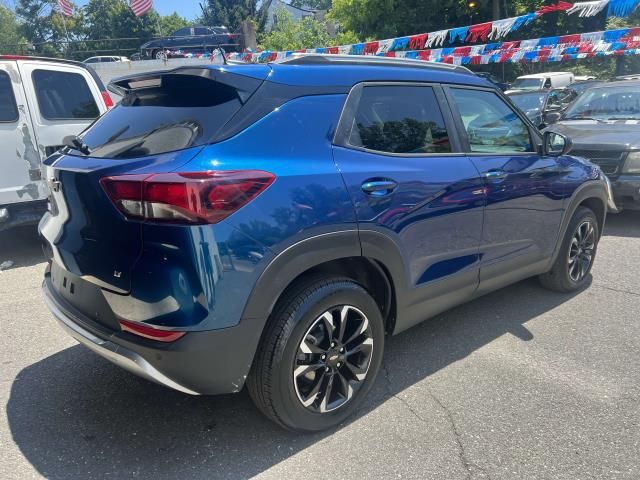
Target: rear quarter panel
(218,265)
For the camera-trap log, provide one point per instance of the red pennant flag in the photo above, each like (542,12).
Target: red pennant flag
(479,32)
(559,7)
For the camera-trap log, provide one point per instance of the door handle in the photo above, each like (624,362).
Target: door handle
(494,174)
(379,188)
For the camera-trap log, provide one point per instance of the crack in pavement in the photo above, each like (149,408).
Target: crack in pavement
(462,453)
(605,287)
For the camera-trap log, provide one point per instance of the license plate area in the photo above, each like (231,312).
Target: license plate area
(84,296)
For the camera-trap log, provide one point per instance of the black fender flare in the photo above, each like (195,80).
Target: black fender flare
(295,260)
(594,189)
(316,250)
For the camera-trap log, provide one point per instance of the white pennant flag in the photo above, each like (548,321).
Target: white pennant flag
(593,37)
(383,46)
(500,28)
(529,44)
(436,39)
(588,9)
(344,49)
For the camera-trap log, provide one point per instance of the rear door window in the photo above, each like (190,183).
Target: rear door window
(168,113)
(8,108)
(402,119)
(64,95)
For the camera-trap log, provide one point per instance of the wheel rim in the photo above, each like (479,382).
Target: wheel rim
(333,358)
(159,55)
(581,251)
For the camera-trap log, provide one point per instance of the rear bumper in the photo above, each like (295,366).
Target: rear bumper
(204,362)
(626,192)
(21,214)
(125,358)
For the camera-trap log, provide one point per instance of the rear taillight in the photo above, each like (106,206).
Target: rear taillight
(191,198)
(107,99)
(147,331)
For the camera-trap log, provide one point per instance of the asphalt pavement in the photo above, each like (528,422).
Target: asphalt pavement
(520,384)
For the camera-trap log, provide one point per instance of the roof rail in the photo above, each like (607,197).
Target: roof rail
(45,59)
(93,73)
(319,59)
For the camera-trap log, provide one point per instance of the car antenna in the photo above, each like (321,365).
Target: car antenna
(224,56)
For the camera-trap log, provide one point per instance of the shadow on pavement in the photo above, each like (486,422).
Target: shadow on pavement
(625,224)
(21,246)
(75,416)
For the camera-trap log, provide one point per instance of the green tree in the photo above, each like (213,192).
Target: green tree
(312,4)
(113,19)
(171,23)
(46,30)
(290,34)
(10,37)
(230,13)
(389,18)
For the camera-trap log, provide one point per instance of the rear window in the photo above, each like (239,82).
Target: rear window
(64,96)
(162,115)
(8,109)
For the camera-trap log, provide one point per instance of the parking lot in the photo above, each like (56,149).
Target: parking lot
(522,383)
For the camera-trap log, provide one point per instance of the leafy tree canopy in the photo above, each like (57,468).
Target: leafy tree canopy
(289,34)
(9,31)
(312,4)
(230,13)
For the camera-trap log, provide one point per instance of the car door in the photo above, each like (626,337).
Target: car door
(63,99)
(416,196)
(20,178)
(524,189)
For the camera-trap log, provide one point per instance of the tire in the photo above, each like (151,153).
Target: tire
(284,376)
(567,275)
(157,55)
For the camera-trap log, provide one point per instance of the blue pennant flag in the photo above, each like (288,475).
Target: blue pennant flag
(458,34)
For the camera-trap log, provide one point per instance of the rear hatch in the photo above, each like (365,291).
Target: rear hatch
(162,122)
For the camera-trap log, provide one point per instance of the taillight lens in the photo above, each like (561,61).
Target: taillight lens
(191,197)
(147,331)
(107,99)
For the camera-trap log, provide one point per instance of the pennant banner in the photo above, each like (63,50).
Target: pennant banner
(568,47)
(472,34)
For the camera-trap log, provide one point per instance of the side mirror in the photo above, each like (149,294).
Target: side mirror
(552,116)
(555,144)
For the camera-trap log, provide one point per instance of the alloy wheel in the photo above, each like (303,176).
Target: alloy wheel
(333,359)
(581,251)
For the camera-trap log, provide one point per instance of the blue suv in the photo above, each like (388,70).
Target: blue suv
(269,225)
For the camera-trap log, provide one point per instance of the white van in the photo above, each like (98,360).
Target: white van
(542,81)
(41,101)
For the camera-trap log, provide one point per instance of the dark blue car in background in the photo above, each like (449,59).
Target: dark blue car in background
(268,225)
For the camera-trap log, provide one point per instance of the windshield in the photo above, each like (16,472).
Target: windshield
(582,86)
(529,101)
(620,102)
(527,84)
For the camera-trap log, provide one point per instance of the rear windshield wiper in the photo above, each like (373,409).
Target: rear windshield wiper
(624,118)
(73,141)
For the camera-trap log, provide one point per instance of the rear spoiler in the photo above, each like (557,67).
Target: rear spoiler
(245,85)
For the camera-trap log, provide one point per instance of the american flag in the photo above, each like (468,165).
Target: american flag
(139,7)
(65,8)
